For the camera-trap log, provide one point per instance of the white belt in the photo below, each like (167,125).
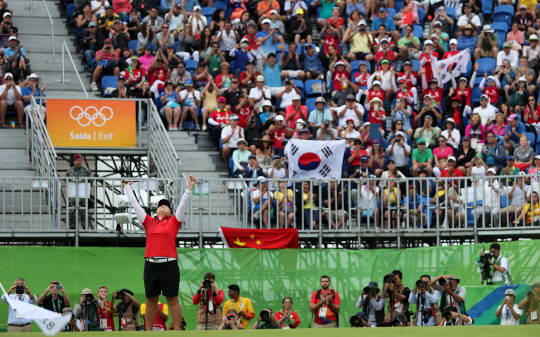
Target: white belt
(160,259)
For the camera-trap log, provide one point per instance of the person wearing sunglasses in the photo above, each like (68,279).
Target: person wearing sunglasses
(468,18)
(468,40)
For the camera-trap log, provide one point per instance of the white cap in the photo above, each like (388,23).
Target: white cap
(522,79)
(401,133)
(492,170)
(267,103)
(383,40)
(377,83)
(491,77)
(279,118)
(437,23)
(273,11)
(366,124)
(33,75)
(452,158)
(12,38)
(296,97)
(428,42)
(266,21)
(453,41)
(537,156)
(196,7)
(8,75)
(300,120)
(340,62)
(484,95)
(362,22)
(7,14)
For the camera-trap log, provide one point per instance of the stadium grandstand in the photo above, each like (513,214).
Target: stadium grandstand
(312,150)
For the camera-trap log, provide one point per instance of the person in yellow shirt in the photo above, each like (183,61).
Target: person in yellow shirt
(160,323)
(531,212)
(284,205)
(242,305)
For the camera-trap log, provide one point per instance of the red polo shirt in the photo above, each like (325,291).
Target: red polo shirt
(161,236)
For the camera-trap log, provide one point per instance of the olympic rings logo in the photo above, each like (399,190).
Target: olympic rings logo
(90,115)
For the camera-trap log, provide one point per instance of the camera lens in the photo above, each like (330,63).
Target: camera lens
(265,315)
(420,284)
(89,297)
(120,295)
(442,281)
(355,321)
(388,278)
(448,315)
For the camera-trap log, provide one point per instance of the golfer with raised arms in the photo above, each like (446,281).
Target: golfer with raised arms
(161,271)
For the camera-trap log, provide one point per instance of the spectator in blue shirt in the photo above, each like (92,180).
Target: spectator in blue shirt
(267,38)
(32,90)
(467,41)
(14,51)
(188,6)
(166,5)
(318,116)
(416,207)
(310,61)
(292,67)
(387,21)
(514,130)
(272,72)
(493,152)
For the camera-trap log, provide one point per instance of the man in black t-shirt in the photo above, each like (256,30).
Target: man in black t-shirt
(122,91)
(54,302)
(7,29)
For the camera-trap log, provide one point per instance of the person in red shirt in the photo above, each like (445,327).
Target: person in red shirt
(374,92)
(244,109)
(162,315)
(105,314)
(158,69)
(403,91)
(287,319)
(106,63)
(492,88)
(252,37)
(335,21)
(278,132)
(295,111)
(249,76)
(209,299)
(407,73)
(161,271)
(340,69)
(453,49)
(385,53)
(464,89)
(135,74)
(451,171)
(325,305)
(219,118)
(361,78)
(434,87)
(330,38)
(427,58)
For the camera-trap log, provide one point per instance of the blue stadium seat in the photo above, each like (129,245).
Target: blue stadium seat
(504,13)
(499,27)
(451,12)
(70,11)
(222,5)
(502,38)
(465,120)
(415,64)
(310,104)
(487,7)
(421,15)
(133,46)
(232,66)
(418,31)
(532,139)
(398,5)
(476,93)
(208,11)
(486,63)
(468,72)
(176,44)
(108,82)
(231,167)
(391,12)
(308,86)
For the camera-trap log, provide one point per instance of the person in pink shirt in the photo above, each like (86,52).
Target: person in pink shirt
(146,59)
(499,127)
(440,155)
(121,8)
(295,112)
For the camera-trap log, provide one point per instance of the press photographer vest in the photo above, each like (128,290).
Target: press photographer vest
(448,300)
(532,308)
(214,317)
(403,307)
(127,321)
(436,310)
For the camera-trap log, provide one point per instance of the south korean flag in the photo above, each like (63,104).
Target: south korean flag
(315,158)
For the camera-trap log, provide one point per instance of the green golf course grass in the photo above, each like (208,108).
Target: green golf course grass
(482,330)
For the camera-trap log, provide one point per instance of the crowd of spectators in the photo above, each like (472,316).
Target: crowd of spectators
(17,82)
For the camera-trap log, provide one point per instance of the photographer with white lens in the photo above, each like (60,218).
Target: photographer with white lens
(127,310)
(426,300)
(453,318)
(267,320)
(231,321)
(21,293)
(508,311)
(209,298)
(531,304)
(451,294)
(397,294)
(87,311)
(372,304)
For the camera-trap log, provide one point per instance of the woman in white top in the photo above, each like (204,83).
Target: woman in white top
(452,135)
(384,76)
(350,131)
(479,169)
(198,22)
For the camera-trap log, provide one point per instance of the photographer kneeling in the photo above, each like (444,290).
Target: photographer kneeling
(231,321)
(452,318)
(267,320)
(400,321)
(127,310)
(372,304)
(87,311)
(426,302)
(360,320)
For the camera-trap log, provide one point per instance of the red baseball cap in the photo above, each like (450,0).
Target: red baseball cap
(221,99)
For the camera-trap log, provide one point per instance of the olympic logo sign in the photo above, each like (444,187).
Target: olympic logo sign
(91,115)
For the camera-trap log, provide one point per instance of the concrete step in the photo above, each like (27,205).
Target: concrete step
(185,147)
(39,27)
(27,222)
(44,61)
(15,165)
(25,208)
(21,8)
(13,153)
(17,174)
(72,84)
(197,166)
(18,144)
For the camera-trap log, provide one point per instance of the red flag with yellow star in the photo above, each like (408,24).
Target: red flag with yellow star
(259,238)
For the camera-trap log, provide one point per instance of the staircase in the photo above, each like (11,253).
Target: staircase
(35,36)
(25,203)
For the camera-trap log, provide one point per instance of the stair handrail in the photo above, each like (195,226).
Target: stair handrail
(52,25)
(42,152)
(64,46)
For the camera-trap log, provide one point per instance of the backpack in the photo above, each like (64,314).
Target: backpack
(319,299)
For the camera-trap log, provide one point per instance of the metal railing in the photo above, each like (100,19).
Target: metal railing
(39,145)
(460,207)
(52,25)
(64,46)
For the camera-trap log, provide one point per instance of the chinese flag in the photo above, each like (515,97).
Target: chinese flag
(259,238)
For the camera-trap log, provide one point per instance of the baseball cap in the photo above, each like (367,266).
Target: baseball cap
(484,96)
(433,80)
(234,117)
(507,45)
(260,78)
(511,117)
(120,79)
(196,7)
(450,120)
(385,61)
(304,131)
(15,38)
(422,140)
(521,79)
(364,158)
(252,156)
(201,64)
(117,21)
(93,24)
(296,97)
(492,170)
(189,82)
(437,23)
(427,95)
(267,103)
(383,40)
(428,117)
(400,133)
(382,9)
(299,11)
(373,285)
(362,23)
(221,99)
(510,158)
(452,158)
(465,138)
(250,62)
(7,14)
(8,75)
(273,11)
(463,79)
(537,156)
(523,7)
(467,5)
(376,83)
(301,121)
(428,42)
(349,96)
(339,63)
(510,292)
(266,21)
(366,124)
(453,41)
(148,47)
(406,63)
(491,78)
(279,118)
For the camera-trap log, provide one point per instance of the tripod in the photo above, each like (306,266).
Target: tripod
(205,302)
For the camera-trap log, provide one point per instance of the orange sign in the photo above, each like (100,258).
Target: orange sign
(91,123)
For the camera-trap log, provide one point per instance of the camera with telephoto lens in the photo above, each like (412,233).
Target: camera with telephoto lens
(265,316)
(427,313)
(19,290)
(532,294)
(140,328)
(326,124)
(443,282)
(368,290)
(120,294)
(207,284)
(485,257)
(357,321)
(448,315)
(89,297)
(389,278)
(421,284)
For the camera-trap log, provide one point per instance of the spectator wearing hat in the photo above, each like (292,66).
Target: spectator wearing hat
(525,18)
(487,44)
(371,302)
(243,57)
(340,71)
(311,64)
(399,151)
(530,304)
(295,111)
(319,115)
(468,40)
(479,168)
(508,311)
(120,37)
(91,311)
(384,19)
(176,19)
(428,132)
(361,43)
(422,158)
(453,49)
(346,88)
(491,189)
(33,90)
(7,30)
(277,24)
(106,63)
(252,170)
(433,88)
(350,132)
(451,134)
(440,38)
(532,51)
(384,52)
(260,93)
(351,110)
(409,45)
(219,118)
(271,71)
(428,110)
(229,137)
(158,69)
(190,100)
(265,7)
(286,96)
(11,100)
(266,38)
(278,132)
(241,157)
(92,40)
(507,54)
(14,52)
(468,18)
(122,91)
(509,170)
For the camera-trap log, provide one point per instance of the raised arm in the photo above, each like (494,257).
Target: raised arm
(139,211)
(185,198)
